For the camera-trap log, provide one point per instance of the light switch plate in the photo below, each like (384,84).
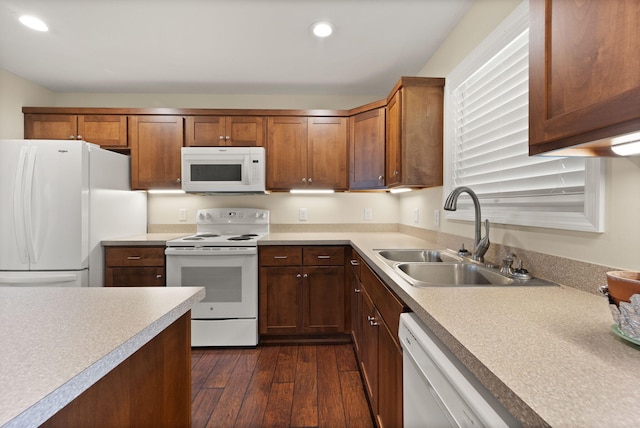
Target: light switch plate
(416,215)
(436,218)
(182,214)
(368,214)
(302,214)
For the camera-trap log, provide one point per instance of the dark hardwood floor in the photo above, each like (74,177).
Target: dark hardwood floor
(278,386)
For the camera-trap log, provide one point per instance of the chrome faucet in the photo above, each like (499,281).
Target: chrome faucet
(480,244)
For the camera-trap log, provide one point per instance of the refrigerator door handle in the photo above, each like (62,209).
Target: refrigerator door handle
(18,206)
(53,278)
(28,194)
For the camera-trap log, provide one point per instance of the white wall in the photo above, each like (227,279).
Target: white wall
(339,208)
(15,92)
(616,247)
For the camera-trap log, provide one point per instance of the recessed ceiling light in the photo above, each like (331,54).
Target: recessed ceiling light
(322,29)
(34,23)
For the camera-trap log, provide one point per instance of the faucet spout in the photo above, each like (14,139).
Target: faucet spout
(480,245)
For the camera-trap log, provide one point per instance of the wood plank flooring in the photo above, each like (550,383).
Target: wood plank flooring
(278,386)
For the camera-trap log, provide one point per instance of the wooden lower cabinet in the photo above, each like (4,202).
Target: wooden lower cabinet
(379,352)
(134,266)
(301,290)
(151,388)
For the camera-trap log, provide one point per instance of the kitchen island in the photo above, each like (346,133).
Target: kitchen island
(547,353)
(71,356)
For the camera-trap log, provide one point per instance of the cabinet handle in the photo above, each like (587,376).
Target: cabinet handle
(305,275)
(158,276)
(227,137)
(279,257)
(298,276)
(79,137)
(356,290)
(304,180)
(324,257)
(178,180)
(134,258)
(395,172)
(221,137)
(370,318)
(355,263)
(380,177)
(309,180)
(71,137)
(373,323)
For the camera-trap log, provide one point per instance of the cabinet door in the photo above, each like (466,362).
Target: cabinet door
(369,348)
(204,131)
(327,153)
(155,151)
(583,73)
(323,299)
(104,130)
(367,150)
(389,379)
(134,277)
(280,300)
(50,126)
(286,153)
(244,131)
(394,129)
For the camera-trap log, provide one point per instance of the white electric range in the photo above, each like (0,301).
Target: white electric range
(222,257)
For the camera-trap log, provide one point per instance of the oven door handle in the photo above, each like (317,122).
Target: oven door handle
(210,251)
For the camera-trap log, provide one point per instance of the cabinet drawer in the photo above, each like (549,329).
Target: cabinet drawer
(134,277)
(280,256)
(389,306)
(323,256)
(134,256)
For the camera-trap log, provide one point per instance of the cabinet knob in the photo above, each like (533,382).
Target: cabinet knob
(356,290)
(79,137)
(396,172)
(178,180)
(298,276)
(305,275)
(158,276)
(309,180)
(304,180)
(221,137)
(227,137)
(380,177)
(71,137)
(370,318)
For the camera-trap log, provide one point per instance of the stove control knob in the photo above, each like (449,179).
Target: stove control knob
(200,216)
(209,217)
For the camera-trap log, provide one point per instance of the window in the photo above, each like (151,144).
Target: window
(486,143)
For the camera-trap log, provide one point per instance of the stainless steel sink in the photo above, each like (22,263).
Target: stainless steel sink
(421,255)
(448,274)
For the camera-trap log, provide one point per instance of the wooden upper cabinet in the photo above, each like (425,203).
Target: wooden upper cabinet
(327,153)
(367,161)
(105,130)
(156,142)
(584,74)
(414,133)
(286,152)
(236,131)
(307,153)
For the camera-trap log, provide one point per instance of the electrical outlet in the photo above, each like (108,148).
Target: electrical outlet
(182,214)
(368,214)
(302,214)
(436,218)
(416,215)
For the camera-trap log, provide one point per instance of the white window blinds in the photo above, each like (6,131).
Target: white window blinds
(487,143)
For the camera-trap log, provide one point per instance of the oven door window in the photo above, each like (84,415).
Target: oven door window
(222,284)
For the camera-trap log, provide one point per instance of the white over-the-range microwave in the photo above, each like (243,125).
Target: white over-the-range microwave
(223,169)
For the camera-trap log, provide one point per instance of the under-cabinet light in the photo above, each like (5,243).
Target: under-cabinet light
(166,191)
(33,23)
(400,189)
(310,192)
(626,145)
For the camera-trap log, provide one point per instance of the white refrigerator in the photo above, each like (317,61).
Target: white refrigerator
(58,201)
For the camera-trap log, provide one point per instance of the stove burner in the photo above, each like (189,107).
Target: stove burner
(251,235)
(207,235)
(192,238)
(240,238)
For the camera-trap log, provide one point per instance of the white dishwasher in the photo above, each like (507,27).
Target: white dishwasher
(438,390)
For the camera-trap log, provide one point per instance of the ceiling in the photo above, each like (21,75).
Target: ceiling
(223,46)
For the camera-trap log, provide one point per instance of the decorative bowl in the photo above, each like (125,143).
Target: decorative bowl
(622,285)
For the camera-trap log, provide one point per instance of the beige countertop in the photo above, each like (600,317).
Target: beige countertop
(547,353)
(57,342)
(147,239)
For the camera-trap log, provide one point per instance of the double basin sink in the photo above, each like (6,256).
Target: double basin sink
(444,268)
